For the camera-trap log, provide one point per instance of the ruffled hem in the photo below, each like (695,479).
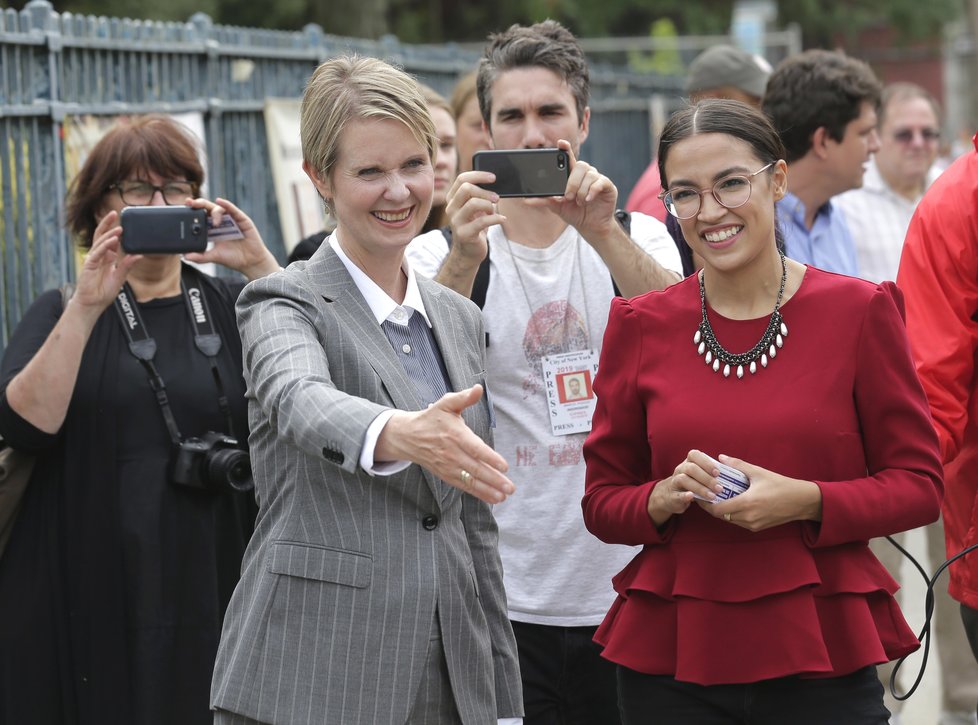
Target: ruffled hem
(753,567)
(712,643)
(760,608)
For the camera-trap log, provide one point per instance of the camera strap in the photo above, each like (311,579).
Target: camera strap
(143,346)
(206,339)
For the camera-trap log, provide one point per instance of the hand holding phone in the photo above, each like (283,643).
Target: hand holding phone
(163,229)
(525,172)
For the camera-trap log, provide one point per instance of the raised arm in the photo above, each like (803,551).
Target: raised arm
(41,391)
(472,210)
(589,206)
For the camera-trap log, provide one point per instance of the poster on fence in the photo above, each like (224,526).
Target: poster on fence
(299,205)
(82,132)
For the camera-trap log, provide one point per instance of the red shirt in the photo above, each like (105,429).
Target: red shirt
(706,600)
(939,275)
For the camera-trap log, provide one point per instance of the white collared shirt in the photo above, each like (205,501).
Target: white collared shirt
(878,219)
(384,308)
(380,303)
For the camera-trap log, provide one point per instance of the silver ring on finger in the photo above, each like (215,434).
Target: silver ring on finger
(466,478)
(726,517)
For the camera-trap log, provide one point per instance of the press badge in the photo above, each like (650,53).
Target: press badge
(567,380)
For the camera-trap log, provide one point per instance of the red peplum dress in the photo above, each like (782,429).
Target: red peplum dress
(712,603)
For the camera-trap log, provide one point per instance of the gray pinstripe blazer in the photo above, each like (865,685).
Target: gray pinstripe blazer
(331,619)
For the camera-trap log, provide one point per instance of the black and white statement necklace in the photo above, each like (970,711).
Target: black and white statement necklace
(765,350)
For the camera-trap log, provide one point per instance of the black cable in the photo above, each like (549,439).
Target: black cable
(929,603)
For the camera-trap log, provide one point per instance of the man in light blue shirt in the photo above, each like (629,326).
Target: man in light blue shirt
(823,104)
(826,244)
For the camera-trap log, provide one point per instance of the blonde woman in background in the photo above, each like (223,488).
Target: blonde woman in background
(446,157)
(472,135)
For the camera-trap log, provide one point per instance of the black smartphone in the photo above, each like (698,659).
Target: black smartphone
(163,229)
(525,172)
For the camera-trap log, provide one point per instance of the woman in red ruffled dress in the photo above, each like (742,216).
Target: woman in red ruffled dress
(768,607)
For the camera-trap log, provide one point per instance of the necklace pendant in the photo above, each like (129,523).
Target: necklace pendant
(766,349)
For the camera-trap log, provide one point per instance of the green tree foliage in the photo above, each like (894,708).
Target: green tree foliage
(914,20)
(665,60)
(438,21)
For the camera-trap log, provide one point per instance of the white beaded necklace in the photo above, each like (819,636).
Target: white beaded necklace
(766,348)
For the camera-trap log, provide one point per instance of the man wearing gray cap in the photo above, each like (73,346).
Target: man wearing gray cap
(724,71)
(721,71)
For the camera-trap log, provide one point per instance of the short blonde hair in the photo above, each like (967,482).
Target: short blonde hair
(349,87)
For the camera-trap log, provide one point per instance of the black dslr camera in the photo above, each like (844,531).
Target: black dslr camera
(214,462)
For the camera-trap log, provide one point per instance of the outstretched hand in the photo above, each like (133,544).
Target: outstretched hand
(439,440)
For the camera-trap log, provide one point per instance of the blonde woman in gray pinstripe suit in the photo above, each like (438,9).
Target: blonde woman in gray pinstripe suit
(372,589)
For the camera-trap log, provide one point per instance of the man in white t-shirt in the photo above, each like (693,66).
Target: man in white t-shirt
(554,266)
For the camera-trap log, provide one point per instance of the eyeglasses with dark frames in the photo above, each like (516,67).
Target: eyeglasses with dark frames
(906,135)
(140,193)
(684,202)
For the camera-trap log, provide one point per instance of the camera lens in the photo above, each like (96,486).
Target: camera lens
(195,229)
(561,160)
(232,467)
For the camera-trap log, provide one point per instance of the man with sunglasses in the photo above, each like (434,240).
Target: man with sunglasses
(823,103)
(899,173)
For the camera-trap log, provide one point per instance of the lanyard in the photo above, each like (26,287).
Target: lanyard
(576,268)
(143,346)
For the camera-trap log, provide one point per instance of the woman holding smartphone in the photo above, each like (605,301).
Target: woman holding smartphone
(768,607)
(125,551)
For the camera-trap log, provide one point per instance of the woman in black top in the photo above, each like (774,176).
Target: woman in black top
(115,578)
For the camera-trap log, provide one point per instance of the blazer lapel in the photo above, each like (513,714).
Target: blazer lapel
(329,277)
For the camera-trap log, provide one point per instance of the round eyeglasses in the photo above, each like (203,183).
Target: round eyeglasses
(140,193)
(683,202)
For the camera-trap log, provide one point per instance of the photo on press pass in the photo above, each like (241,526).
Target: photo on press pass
(594,363)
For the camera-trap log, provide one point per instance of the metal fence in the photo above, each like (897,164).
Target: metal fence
(53,65)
